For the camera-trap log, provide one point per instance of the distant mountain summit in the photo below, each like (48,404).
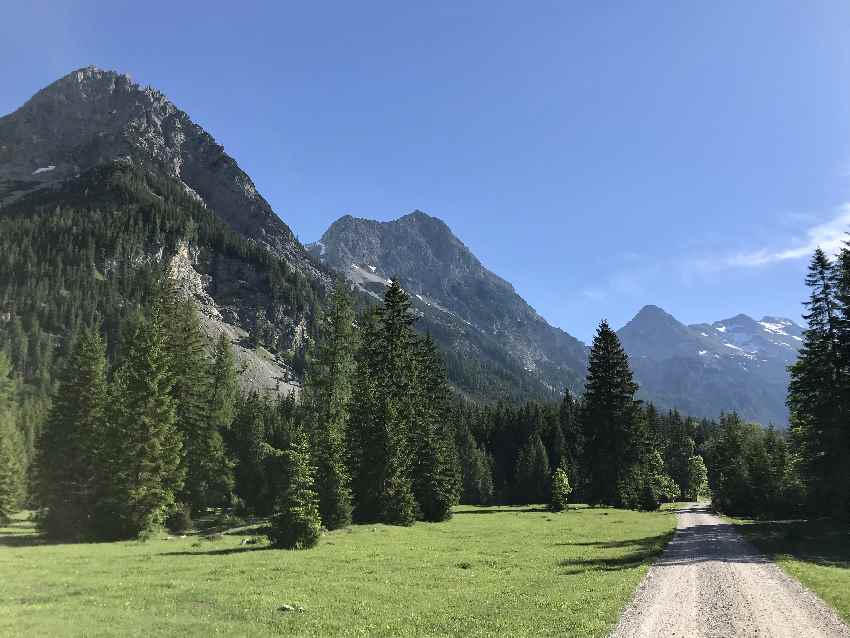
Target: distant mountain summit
(735,364)
(474,311)
(92,116)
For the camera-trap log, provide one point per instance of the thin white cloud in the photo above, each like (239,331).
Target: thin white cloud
(829,236)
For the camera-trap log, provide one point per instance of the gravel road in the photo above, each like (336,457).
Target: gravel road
(710,582)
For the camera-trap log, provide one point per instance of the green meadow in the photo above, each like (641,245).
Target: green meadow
(520,571)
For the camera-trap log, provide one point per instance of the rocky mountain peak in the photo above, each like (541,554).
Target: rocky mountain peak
(94,116)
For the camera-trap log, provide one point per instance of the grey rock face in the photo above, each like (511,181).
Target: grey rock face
(446,280)
(93,116)
(736,364)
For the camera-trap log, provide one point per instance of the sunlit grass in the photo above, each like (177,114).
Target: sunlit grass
(513,571)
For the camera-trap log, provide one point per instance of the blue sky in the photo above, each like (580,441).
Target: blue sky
(600,156)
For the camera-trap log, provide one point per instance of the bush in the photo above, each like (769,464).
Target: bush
(180,519)
(560,490)
(295,529)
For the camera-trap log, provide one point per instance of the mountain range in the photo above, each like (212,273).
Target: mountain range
(735,364)
(70,140)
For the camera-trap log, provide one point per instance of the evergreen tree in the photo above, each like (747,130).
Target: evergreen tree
(224,385)
(532,472)
(435,471)
(297,523)
(697,478)
(327,398)
(477,483)
(70,463)
(366,433)
(815,395)
(610,421)
(384,412)
(146,447)
(11,452)
(560,490)
(208,474)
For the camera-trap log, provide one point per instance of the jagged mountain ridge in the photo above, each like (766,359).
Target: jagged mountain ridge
(735,364)
(92,116)
(450,286)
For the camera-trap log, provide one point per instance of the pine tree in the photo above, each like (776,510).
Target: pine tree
(146,447)
(435,471)
(11,452)
(477,471)
(383,413)
(397,405)
(814,395)
(365,433)
(70,460)
(327,398)
(297,522)
(532,472)
(560,489)
(224,385)
(206,468)
(609,418)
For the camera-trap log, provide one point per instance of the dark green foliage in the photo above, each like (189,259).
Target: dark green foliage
(208,473)
(327,399)
(297,523)
(145,449)
(383,412)
(435,469)
(610,420)
(11,453)
(751,470)
(532,472)
(818,395)
(71,459)
(223,385)
(477,472)
(88,254)
(697,479)
(180,519)
(560,489)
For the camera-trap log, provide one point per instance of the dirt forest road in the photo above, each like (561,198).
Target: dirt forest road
(710,582)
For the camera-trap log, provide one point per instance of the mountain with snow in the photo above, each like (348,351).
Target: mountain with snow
(735,364)
(476,315)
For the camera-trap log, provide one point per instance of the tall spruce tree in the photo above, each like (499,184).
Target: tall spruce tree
(327,399)
(383,413)
(11,448)
(815,395)
(297,523)
(208,475)
(70,462)
(435,469)
(609,418)
(397,405)
(366,433)
(224,385)
(146,447)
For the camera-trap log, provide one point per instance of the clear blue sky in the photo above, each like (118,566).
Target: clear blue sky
(600,156)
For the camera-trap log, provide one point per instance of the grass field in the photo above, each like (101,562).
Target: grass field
(817,553)
(517,571)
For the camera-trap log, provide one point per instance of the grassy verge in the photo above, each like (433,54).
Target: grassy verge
(517,571)
(817,553)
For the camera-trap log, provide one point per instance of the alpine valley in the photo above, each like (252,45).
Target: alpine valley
(102,181)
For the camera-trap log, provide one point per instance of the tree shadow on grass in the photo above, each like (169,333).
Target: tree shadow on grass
(640,550)
(225,551)
(501,510)
(821,541)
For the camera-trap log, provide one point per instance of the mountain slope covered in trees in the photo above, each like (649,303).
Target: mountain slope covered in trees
(471,311)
